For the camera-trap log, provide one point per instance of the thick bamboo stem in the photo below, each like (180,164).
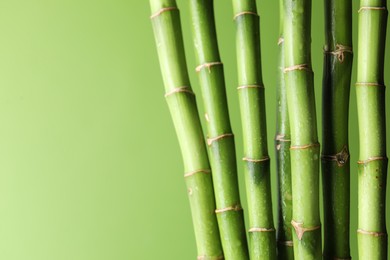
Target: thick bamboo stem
(285,249)
(335,105)
(253,118)
(303,125)
(372,164)
(221,143)
(183,109)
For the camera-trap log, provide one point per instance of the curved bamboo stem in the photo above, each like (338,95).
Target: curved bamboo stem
(221,150)
(183,109)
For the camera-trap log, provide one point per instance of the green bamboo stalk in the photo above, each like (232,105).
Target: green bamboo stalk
(335,105)
(253,118)
(220,138)
(285,249)
(304,148)
(372,164)
(184,112)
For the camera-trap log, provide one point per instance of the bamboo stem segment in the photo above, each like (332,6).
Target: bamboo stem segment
(372,165)
(304,149)
(285,249)
(335,107)
(184,112)
(262,244)
(221,144)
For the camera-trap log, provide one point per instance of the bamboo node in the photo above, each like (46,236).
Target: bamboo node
(304,67)
(341,158)
(339,52)
(300,230)
(369,84)
(281,138)
(371,159)
(205,171)
(211,140)
(162,10)
(266,158)
(286,243)
(205,257)
(250,86)
(259,229)
(243,13)
(183,89)
(307,146)
(280,40)
(366,8)
(208,65)
(371,233)
(231,208)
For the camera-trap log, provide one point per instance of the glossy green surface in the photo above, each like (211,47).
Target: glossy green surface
(253,117)
(335,115)
(285,250)
(370,93)
(222,151)
(185,118)
(303,126)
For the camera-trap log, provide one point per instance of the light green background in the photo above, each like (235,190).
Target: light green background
(90,168)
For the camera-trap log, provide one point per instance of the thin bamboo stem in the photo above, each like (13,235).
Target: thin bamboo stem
(304,148)
(372,164)
(285,249)
(335,103)
(253,118)
(221,149)
(182,105)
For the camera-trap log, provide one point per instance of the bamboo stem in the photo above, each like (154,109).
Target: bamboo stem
(183,109)
(304,149)
(222,150)
(372,165)
(335,103)
(285,249)
(252,107)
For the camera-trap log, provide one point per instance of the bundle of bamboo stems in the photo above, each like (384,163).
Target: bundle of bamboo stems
(210,163)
